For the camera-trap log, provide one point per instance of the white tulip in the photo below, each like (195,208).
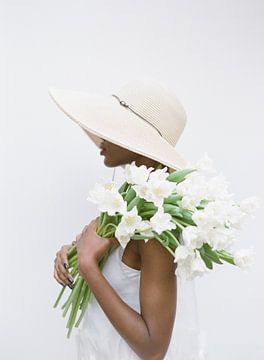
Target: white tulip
(112,202)
(160,221)
(189,263)
(193,237)
(107,198)
(205,164)
(217,188)
(250,205)
(183,252)
(216,213)
(235,217)
(244,258)
(155,191)
(97,194)
(220,238)
(190,202)
(198,267)
(206,219)
(130,220)
(142,190)
(136,174)
(193,186)
(145,229)
(159,190)
(122,236)
(159,174)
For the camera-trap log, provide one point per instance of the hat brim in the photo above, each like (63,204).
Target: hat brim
(102,117)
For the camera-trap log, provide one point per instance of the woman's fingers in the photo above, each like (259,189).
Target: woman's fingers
(84,230)
(63,255)
(61,274)
(57,277)
(61,278)
(74,242)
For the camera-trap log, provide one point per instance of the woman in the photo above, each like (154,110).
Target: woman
(133,313)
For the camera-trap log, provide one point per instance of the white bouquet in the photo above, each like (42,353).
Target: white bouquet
(190,212)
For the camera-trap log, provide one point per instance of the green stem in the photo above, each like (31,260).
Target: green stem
(73,260)
(102,224)
(73,293)
(75,307)
(59,297)
(84,305)
(105,234)
(174,237)
(140,237)
(71,251)
(178,223)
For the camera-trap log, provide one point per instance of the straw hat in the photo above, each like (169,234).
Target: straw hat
(142,116)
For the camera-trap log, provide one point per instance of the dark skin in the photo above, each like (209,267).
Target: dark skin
(148,333)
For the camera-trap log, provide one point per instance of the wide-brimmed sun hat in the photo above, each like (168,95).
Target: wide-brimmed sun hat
(142,116)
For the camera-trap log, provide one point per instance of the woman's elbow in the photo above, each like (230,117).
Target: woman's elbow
(159,355)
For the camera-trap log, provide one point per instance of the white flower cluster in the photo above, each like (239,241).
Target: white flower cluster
(215,224)
(214,213)
(149,185)
(105,194)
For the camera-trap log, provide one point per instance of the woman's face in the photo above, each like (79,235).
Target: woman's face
(115,155)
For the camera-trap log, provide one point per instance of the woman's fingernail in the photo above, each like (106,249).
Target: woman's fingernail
(62,284)
(70,286)
(66,265)
(70,279)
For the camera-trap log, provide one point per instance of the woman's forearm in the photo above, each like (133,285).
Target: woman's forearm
(128,322)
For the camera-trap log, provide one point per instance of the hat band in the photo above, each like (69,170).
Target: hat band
(123,103)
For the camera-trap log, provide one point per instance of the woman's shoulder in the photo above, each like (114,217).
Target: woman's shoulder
(154,256)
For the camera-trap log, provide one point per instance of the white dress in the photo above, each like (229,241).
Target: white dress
(97,339)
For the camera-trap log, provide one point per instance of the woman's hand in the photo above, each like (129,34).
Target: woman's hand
(91,247)
(61,274)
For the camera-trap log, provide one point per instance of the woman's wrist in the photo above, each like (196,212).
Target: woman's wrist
(87,264)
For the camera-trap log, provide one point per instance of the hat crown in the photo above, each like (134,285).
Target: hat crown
(158,105)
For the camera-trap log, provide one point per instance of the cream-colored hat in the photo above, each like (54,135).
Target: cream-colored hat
(142,116)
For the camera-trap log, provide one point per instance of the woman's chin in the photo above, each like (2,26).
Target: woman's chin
(107,161)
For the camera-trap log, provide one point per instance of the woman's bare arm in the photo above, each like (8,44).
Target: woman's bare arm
(149,332)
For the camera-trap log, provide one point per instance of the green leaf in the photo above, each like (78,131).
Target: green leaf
(173,199)
(146,215)
(133,203)
(172,209)
(148,205)
(140,204)
(187,216)
(179,175)
(208,262)
(226,256)
(130,195)
(123,187)
(172,239)
(211,254)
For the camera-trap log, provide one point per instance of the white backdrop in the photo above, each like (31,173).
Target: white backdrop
(212,54)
